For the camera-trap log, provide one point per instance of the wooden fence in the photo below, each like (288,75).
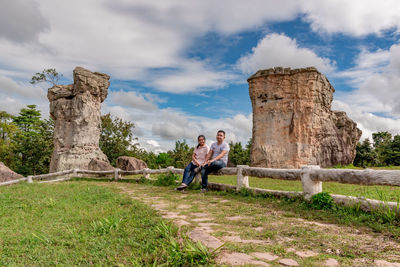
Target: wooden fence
(310,176)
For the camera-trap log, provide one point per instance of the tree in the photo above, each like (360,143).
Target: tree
(182,154)
(164,160)
(382,141)
(7,134)
(116,138)
(239,155)
(33,142)
(365,154)
(392,154)
(47,75)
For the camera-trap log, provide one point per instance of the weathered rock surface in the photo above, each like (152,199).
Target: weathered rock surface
(99,165)
(130,163)
(75,109)
(6,174)
(293,124)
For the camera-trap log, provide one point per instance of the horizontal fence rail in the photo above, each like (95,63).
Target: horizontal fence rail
(310,176)
(362,177)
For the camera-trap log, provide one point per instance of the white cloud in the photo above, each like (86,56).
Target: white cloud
(355,18)
(133,99)
(153,143)
(279,50)
(366,121)
(378,87)
(10,87)
(159,129)
(192,76)
(21,20)
(10,105)
(143,40)
(366,64)
(374,105)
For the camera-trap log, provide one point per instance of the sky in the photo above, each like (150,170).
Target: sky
(179,68)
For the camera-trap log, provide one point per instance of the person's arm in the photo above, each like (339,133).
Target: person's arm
(195,159)
(223,153)
(208,156)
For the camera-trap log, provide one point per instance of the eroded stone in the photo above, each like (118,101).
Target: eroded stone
(331,263)
(75,109)
(208,240)
(6,174)
(288,262)
(293,124)
(383,263)
(264,256)
(238,239)
(236,258)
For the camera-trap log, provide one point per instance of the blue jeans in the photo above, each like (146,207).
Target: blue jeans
(188,173)
(214,166)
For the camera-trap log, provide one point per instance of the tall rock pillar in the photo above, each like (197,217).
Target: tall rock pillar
(293,124)
(75,109)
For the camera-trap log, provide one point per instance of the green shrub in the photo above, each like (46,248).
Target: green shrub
(322,201)
(166,179)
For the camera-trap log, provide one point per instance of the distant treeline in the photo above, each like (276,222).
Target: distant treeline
(383,151)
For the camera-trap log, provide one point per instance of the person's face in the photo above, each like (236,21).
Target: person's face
(201,141)
(220,137)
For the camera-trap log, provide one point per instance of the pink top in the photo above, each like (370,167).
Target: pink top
(201,153)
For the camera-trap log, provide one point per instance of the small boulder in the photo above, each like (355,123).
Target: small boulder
(99,165)
(130,163)
(6,174)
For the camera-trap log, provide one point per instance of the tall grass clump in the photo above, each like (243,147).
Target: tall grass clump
(166,179)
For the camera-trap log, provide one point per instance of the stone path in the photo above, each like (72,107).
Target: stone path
(280,240)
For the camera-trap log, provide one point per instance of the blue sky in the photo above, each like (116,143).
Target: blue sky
(179,68)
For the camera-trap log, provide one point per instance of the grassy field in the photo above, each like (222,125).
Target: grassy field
(81,223)
(384,193)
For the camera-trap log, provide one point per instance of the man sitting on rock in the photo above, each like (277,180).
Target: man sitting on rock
(217,158)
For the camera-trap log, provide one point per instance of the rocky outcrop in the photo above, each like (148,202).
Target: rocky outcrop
(75,110)
(130,163)
(99,165)
(293,124)
(6,174)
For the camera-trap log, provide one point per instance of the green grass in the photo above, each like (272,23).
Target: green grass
(81,223)
(384,193)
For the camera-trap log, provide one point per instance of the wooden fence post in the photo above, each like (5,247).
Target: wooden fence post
(146,173)
(170,168)
(197,178)
(242,181)
(310,187)
(116,174)
(29,179)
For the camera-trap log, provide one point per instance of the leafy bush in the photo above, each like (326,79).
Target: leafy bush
(166,179)
(322,201)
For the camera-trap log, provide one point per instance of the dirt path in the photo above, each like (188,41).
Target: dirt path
(257,234)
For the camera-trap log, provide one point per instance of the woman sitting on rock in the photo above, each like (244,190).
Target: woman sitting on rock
(198,159)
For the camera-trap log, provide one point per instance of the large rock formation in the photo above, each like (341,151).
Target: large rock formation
(99,165)
(293,124)
(6,174)
(75,109)
(130,163)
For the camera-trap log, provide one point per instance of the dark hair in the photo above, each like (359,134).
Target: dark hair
(221,131)
(198,145)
